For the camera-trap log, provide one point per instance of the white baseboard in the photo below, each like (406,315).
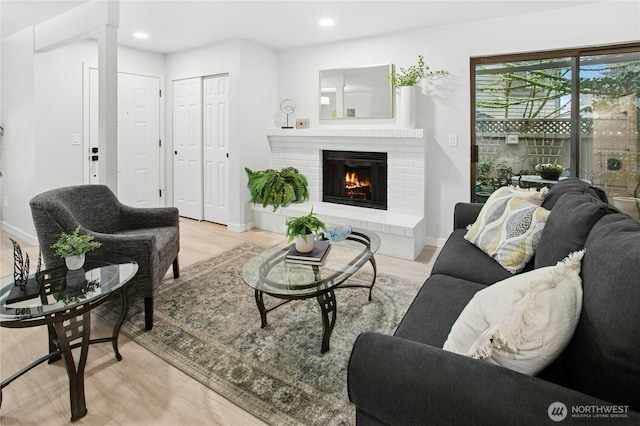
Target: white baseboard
(28,238)
(240,227)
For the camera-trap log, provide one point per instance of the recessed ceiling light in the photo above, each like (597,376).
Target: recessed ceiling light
(141,36)
(327,22)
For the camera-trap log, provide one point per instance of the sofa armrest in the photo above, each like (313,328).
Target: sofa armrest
(140,218)
(465,214)
(398,381)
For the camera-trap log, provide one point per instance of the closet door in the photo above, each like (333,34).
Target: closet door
(216,148)
(187,145)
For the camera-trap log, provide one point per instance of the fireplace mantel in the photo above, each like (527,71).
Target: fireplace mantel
(370,136)
(401,226)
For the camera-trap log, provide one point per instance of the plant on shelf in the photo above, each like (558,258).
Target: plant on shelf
(412,75)
(301,228)
(549,170)
(278,188)
(72,247)
(548,167)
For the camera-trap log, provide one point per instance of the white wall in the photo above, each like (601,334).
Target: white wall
(252,73)
(44,107)
(445,108)
(18,143)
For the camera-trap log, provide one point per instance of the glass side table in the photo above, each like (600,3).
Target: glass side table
(64,305)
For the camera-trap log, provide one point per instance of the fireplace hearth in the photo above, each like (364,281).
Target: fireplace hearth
(355,178)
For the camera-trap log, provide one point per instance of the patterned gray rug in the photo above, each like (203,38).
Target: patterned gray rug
(206,324)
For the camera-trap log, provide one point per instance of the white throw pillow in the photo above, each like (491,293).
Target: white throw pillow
(524,322)
(509,227)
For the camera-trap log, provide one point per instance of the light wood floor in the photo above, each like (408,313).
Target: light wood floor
(142,389)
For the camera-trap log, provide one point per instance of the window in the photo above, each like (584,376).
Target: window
(577,109)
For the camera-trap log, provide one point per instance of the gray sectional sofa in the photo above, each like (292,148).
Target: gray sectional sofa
(408,379)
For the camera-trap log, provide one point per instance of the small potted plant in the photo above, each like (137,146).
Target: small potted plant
(301,229)
(549,171)
(73,248)
(277,187)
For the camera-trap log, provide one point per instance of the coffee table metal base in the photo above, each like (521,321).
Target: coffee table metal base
(326,300)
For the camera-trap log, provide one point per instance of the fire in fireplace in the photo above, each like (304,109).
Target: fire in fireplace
(355,178)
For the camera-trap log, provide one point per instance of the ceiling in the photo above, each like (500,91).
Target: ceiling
(180,25)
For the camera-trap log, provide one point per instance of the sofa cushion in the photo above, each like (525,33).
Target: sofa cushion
(435,309)
(603,358)
(508,229)
(477,266)
(524,322)
(571,185)
(567,227)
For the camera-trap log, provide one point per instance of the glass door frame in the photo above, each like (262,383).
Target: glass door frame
(574,54)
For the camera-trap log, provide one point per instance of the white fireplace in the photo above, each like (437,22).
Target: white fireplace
(401,227)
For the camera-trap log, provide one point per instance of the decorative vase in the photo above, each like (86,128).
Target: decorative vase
(407,107)
(74,262)
(304,246)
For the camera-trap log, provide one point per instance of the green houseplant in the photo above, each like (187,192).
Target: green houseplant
(74,246)
(300,228)
(278,188)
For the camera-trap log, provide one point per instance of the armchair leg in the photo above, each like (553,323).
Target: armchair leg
(148,313)
(176,268)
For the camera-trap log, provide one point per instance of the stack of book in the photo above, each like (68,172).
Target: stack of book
(317,256)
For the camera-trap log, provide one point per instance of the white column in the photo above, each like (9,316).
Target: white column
(108,106)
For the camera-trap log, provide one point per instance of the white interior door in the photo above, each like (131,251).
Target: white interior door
(187,145)
(216,148)
(139,154)
(138,140)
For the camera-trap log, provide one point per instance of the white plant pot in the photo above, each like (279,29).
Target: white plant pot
(74,262)
(304,246)
(407,107)
(627,205)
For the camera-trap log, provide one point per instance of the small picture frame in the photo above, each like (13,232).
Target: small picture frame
(302,123)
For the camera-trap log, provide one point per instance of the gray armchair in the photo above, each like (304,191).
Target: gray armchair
(150,236)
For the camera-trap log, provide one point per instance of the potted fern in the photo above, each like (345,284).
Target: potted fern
(73,248)
(278,188)
(302,228)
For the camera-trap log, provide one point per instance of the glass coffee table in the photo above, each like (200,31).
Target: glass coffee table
(268,273)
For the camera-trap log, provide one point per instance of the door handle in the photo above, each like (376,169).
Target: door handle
(175,152)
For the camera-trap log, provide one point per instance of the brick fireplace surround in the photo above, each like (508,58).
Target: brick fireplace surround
(401,227)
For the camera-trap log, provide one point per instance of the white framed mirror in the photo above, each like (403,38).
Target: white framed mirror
(351,93)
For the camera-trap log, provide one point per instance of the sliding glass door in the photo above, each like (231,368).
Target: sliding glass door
(576,110)
(609,143)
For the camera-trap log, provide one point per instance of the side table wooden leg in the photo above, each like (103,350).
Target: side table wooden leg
(77,328)
(118,325)
(327,303)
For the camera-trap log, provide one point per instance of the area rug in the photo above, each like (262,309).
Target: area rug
(206,323)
